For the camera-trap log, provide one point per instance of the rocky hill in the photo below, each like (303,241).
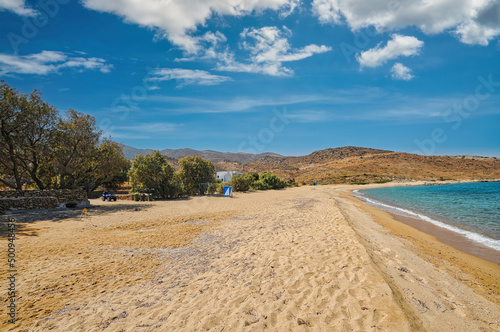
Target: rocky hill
(358,165)
(346,165)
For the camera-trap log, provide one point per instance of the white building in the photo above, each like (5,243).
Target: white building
(226,176)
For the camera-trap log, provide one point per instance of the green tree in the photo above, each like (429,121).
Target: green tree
(242,182)
(195,170)
(27,125)
(255,176)
(268,181)
(11,127)
(153,173)
(40,121)
(37,146)
(110,167)
(75,146)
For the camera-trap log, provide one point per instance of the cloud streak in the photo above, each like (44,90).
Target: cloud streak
(361,104)
(145,130)
(187,76)
(48,62)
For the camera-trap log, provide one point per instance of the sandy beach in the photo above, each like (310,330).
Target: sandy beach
(300,259)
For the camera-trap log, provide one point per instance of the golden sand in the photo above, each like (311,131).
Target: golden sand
(306,258)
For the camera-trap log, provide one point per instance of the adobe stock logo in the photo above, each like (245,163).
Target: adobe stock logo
(456,115)
(257,144)
(31,25)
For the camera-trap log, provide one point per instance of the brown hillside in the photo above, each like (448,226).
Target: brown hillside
(352,164)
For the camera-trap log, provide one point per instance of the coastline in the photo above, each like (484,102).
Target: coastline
(444,235)
(307,258)
(443,248)
(451,238)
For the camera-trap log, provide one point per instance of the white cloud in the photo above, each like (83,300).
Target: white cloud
(178,20)
(398,46)
(48,62)
(145,130)
(157,127)
(328,11)
(309,116)
(474,21)
(268,48)
(401,72)
(187,76)
(473,33)
(18,7)
(235,104)
(364,103)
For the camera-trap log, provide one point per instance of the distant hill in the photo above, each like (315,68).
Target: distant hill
(354,164)
(348,164)
(213,156)
(131,152)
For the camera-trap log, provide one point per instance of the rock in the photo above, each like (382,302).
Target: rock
(300,321)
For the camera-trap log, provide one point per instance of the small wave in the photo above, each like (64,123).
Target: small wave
(478,238)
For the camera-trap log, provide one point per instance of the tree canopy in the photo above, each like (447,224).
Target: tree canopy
(152,173)
(40,148)
(195,170)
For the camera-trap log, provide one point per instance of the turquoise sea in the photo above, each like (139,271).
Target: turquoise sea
(469,209)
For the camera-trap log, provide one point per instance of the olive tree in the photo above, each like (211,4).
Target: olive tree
(152,172)
(195,170)
(74,149)
(27,126)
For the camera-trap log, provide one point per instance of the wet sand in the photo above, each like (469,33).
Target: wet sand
(448,237)
(308,258)
(451,238)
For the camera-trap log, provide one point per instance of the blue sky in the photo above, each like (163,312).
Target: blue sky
(285,76)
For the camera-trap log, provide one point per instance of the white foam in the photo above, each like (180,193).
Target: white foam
(475,237)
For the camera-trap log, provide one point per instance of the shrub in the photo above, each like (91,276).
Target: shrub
(268,181)
(215,187)
(242,182)
(260,185)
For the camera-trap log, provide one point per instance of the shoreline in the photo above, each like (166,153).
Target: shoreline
(446,236)
(451,238)
(482,274)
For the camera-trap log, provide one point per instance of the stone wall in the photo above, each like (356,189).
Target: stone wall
(40,199)
(124,197)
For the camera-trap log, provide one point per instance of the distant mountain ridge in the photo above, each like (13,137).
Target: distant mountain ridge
(214,156)
(347,164)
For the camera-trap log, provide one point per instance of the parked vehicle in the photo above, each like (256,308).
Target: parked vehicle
(108,196)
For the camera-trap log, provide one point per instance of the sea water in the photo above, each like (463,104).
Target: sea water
(469,209)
